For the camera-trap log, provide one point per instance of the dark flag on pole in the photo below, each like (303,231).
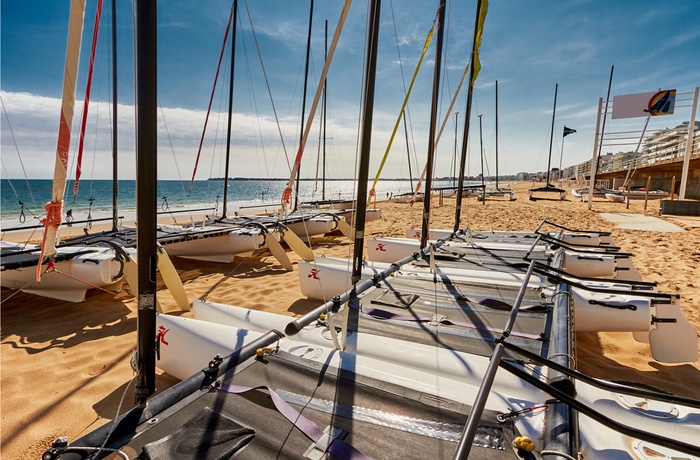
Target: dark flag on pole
(568,131)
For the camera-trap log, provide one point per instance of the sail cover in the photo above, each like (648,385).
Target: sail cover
(54,209)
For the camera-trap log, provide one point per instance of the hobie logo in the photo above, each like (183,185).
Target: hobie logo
(417,234)
(380,247)
(161,334)
(314,274)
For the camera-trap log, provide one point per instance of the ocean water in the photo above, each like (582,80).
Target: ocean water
(95,197)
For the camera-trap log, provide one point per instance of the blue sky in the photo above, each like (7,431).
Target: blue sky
(528,46)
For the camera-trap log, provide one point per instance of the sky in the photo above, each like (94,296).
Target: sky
(529,46)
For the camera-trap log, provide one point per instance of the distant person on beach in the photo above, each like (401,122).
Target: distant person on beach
(69,217)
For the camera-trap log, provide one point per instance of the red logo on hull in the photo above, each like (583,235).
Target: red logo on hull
(161,334)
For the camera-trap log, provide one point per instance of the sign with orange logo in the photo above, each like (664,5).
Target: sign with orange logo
(644,104)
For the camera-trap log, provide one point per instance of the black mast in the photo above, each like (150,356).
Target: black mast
(481,155)
(303,102)
(146,169)
(433,122)
(602,129)
(551,137)
(454,161)
(230,104)
(366,140)
(325,89)
(467,115)
(115,178)
(496,138)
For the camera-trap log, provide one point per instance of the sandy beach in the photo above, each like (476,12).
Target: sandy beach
(65,367)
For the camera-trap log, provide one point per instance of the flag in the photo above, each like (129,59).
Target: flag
(568,131)
(477,39)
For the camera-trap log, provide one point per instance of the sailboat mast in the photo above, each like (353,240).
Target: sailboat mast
(325,90)
(433,125)
(366,139)
(481,155)
(54,209)
(230,105)
(115,150)
(408,150)
(478,29)
(602,130)
(496,134)
(303,99)
(551,137)
(454,160)
(146,196)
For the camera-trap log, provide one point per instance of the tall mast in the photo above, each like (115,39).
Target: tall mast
(366,139)
(303,99)
(146,169)
(473,73)
(433,125)
(325,90)
(551,136)
(454,161)
(54,209)
(408,150)
(230,104)
(287,193)
(481,155)
(496,134)
(115,150)
(602,130)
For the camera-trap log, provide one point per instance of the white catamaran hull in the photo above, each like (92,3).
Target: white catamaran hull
(219,248)
(456,376)
(71,278)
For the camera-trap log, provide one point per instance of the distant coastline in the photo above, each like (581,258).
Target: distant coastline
(314,179)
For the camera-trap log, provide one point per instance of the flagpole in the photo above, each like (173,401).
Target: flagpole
(561,155)
(688,146)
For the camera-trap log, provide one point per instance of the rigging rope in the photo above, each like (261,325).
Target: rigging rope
(211,98)
(426,44)
(86,102)
(24,171)
(444,122)
(267,82)
(287,194)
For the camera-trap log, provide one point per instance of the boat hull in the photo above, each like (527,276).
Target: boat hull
(71,278)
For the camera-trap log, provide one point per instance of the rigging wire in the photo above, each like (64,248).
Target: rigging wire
(254,106)
(267,82)
(24,171)
(403,81)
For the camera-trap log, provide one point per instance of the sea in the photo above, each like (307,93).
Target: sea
(23,200)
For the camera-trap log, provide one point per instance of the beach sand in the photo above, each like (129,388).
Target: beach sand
(65,367)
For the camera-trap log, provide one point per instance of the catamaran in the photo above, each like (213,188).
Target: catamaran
(388,369)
